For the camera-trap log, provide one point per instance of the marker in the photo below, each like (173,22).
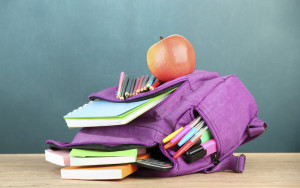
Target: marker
(132,87)
(122,76)
(190,143)
(206,136)
(199,151)
(138,90)
(170,144)
(144,82)
(125,83)
(185,130)
(130,80)
(135,86)
(170,136)
(150,82)
(155,85)
(191,133)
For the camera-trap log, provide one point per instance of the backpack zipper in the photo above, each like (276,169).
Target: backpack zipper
(215,156)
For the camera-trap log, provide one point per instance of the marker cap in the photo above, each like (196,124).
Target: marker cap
(194,153)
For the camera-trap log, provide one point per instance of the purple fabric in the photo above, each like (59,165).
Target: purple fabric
(224,103)
(234,163)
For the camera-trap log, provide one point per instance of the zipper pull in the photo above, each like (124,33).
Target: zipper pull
(214,158)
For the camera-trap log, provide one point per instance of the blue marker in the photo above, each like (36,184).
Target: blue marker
(191,133)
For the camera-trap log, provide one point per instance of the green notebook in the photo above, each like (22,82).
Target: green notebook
(94,153)
(82,157)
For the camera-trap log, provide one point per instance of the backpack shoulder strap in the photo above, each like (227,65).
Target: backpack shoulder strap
(234,163)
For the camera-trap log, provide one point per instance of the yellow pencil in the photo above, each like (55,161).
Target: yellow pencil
(172,135)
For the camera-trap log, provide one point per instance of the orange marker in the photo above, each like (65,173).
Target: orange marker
(170,144)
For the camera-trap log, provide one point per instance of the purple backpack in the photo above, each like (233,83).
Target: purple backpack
(224,103)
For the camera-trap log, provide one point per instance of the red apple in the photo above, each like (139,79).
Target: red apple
(171,58)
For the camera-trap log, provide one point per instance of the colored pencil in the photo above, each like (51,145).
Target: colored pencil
(144,82)
(155,85)
(138,90)
(136,85)
(125,83)
(132,87)
(150,82)
(130,82)
(122,76)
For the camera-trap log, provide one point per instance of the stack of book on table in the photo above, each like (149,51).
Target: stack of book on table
(95,165)
(90,164)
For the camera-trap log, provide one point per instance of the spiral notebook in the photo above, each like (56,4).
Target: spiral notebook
(105,113)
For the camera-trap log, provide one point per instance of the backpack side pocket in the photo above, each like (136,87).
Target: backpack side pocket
(228,110)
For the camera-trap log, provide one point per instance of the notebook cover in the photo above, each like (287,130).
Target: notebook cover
(109,110)
(126,169)
(95,153)
(103,109)
(92,161)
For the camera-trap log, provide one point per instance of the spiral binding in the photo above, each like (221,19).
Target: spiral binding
(81,107)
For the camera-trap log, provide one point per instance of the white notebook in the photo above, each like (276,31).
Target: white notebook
(58,157)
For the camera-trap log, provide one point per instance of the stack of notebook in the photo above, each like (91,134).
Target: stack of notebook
(96,165)
(99,165)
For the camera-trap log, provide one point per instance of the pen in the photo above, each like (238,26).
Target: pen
(169,145)
(185,130)
(206,136)
(199,151)
(190,143)
(191,133)
(170,136)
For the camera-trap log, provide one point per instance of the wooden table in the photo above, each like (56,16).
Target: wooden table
(262,170)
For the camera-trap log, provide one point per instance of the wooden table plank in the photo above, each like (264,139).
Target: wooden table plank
(262,170)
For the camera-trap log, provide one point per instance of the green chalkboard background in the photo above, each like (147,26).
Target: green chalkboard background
(54,53)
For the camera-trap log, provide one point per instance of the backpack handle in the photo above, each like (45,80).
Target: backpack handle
(256,127)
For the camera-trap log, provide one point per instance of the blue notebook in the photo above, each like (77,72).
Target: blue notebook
(106,113)
(103,109)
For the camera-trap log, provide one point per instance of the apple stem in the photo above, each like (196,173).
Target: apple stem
(161,37)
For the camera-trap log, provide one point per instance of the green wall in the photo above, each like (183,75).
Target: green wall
(54,53)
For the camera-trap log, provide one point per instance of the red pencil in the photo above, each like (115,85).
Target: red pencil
(155,85)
